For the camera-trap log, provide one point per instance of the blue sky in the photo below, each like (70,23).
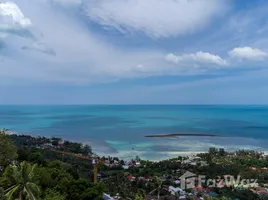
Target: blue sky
(134,52)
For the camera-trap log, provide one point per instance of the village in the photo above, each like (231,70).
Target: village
(215,174)
(182,184)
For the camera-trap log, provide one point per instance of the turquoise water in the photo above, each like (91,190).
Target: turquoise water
(120,129)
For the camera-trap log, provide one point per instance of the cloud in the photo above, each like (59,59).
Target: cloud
(38,46)
(65,48)
(204,60)
(248,53)
(156,18)
(198,58)
(79,55)
(11,17)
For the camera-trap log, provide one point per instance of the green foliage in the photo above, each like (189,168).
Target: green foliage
(36,157)
(217,198)
(91,193)
(2,194)
(62,176)
(73,147)
(43,177)
(56,178)
(139,197)
(53,195)
(7,150)
(22,186)
(245,195)
(137,158)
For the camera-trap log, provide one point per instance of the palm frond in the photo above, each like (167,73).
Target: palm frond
(29,192)
(10,194)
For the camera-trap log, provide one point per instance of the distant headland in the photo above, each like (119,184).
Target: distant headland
(183,134)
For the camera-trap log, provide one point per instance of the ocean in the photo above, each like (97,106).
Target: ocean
(120,130)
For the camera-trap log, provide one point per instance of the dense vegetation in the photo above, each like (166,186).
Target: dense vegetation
(28,172)
(41,168)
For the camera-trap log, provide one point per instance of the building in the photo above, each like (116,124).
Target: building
(107,197)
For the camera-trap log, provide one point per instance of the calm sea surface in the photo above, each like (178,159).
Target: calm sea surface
(120,130)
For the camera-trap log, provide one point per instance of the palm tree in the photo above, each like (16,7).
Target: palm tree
(23,189)
(159,183)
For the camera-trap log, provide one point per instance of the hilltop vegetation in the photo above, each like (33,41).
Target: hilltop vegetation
(52,169)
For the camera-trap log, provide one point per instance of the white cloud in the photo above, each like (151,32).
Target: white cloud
(156,18)
(80,55)
(11,17)
(198,58)
(248,53)
(39,46)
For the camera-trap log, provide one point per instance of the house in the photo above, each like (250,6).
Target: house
(131,178)
(174,190)
(117,196)
(60,143)
(138,164)
(47,145)
(145,179)
(192,163)
(107,197)
(182,197)
(125,167)
(194,160)
(99,175)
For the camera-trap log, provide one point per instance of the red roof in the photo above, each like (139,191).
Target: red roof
(131,178)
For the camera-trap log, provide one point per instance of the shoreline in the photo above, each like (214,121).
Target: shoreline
(144,152)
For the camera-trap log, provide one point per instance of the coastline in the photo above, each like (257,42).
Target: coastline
(165,148)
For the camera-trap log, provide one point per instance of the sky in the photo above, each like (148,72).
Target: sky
(134,52)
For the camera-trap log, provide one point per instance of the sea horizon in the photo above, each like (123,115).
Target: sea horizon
(120,130)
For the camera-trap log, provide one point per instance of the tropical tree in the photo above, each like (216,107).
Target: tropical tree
(137,159)
(53,195)
(159,183)
(7,150)
(23,188)
(139,197)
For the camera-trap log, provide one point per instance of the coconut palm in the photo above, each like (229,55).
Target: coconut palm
(23,189)
(159,183)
